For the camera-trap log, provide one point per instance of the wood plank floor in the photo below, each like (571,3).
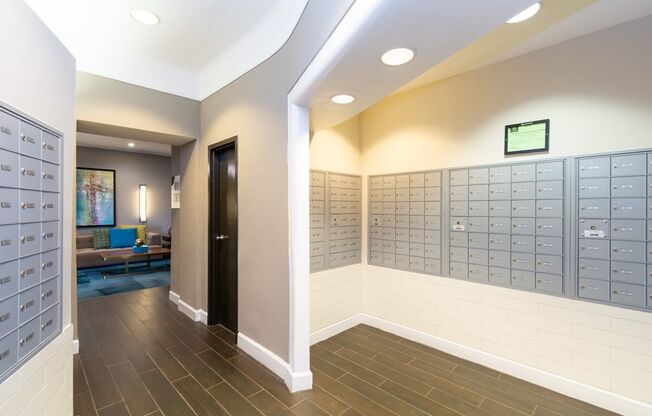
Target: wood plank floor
(140,356)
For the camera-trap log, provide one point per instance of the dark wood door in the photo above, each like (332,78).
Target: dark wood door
(223,244)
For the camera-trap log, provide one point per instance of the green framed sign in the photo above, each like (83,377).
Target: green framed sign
(529,137)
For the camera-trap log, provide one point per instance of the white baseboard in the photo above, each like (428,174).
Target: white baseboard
(335,328)
(75,346)
(602,398)
(197,315)
(294,381)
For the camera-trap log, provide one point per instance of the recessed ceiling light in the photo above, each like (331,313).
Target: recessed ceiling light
(131,144)
(145,17)
(526,14)
(397,56)
(343,99)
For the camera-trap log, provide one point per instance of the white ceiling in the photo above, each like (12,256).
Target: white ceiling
(116,143)
(440,31)
(198,47)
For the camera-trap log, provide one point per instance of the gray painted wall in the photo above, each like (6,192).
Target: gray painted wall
(131,170)
(254,108)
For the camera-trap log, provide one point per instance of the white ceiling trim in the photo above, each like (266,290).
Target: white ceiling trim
(194,52)
(250,51)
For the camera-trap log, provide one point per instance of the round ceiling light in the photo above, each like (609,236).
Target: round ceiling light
(343,99)
(145,17)
(397,56)
(131,144)
(526,14)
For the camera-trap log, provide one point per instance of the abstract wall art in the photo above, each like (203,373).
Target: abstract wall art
(95,197)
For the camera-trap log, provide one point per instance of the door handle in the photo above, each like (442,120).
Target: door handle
(221,237)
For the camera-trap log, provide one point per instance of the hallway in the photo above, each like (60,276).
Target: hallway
(140,356)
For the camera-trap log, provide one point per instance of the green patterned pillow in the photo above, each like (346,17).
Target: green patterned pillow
(101,238)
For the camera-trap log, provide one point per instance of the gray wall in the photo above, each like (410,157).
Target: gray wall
(254,108)
(131,170)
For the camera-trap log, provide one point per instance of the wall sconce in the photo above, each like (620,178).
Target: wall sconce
(142,202)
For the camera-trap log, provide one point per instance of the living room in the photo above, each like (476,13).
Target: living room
(124,215)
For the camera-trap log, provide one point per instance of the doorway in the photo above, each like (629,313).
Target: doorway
(223,235)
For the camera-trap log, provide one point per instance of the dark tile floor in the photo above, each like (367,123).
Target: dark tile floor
(140,356)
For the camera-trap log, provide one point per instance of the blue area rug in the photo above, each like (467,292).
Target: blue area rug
(90,282)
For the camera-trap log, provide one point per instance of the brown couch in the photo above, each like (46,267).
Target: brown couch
(87,256)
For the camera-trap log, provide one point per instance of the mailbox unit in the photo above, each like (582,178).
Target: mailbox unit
(30,236)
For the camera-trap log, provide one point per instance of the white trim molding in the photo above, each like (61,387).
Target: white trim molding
(75,346)
(602,398)
(197,315)
(295,381)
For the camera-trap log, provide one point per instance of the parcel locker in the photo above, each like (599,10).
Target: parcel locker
(30,206)
(524,173)
(9,206)
(49,323)
(30,140)
(9,169)
(8,315)
(9,131)
(9,279)
(50,148)
(628,187)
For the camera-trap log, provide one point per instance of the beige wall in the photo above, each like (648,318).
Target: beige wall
(39,80)
(254,108)
(597,93)
(131,170)
(115,108)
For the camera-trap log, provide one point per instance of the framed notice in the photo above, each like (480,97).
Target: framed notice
(529,137)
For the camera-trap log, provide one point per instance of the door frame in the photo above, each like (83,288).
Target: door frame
(211,240)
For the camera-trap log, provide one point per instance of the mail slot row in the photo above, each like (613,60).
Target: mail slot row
(27,206)
(405,195)
(632,251)
(544,171)
(28,173)
(403,234)
(615,292)
(634,208)
(508,191)
(406,180)
(337,246)
(19,136)
(519,243)
(520,279)
(619,187)
(335,207)
(616,166)
(405,208)
(334,233)
(344,181)
(544,208)
(29,271)
(338,194)
(24,306)
(431,251)
(502,225)
(618,271)
(406,221)
(520,261)
(616,229)
(17,241)
(405,262)
(20,342)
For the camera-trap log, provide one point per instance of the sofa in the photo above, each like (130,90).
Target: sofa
(87,256)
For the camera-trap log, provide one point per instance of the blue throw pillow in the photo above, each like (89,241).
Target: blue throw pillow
(124,237)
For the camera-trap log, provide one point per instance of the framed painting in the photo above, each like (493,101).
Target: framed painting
(95,197)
